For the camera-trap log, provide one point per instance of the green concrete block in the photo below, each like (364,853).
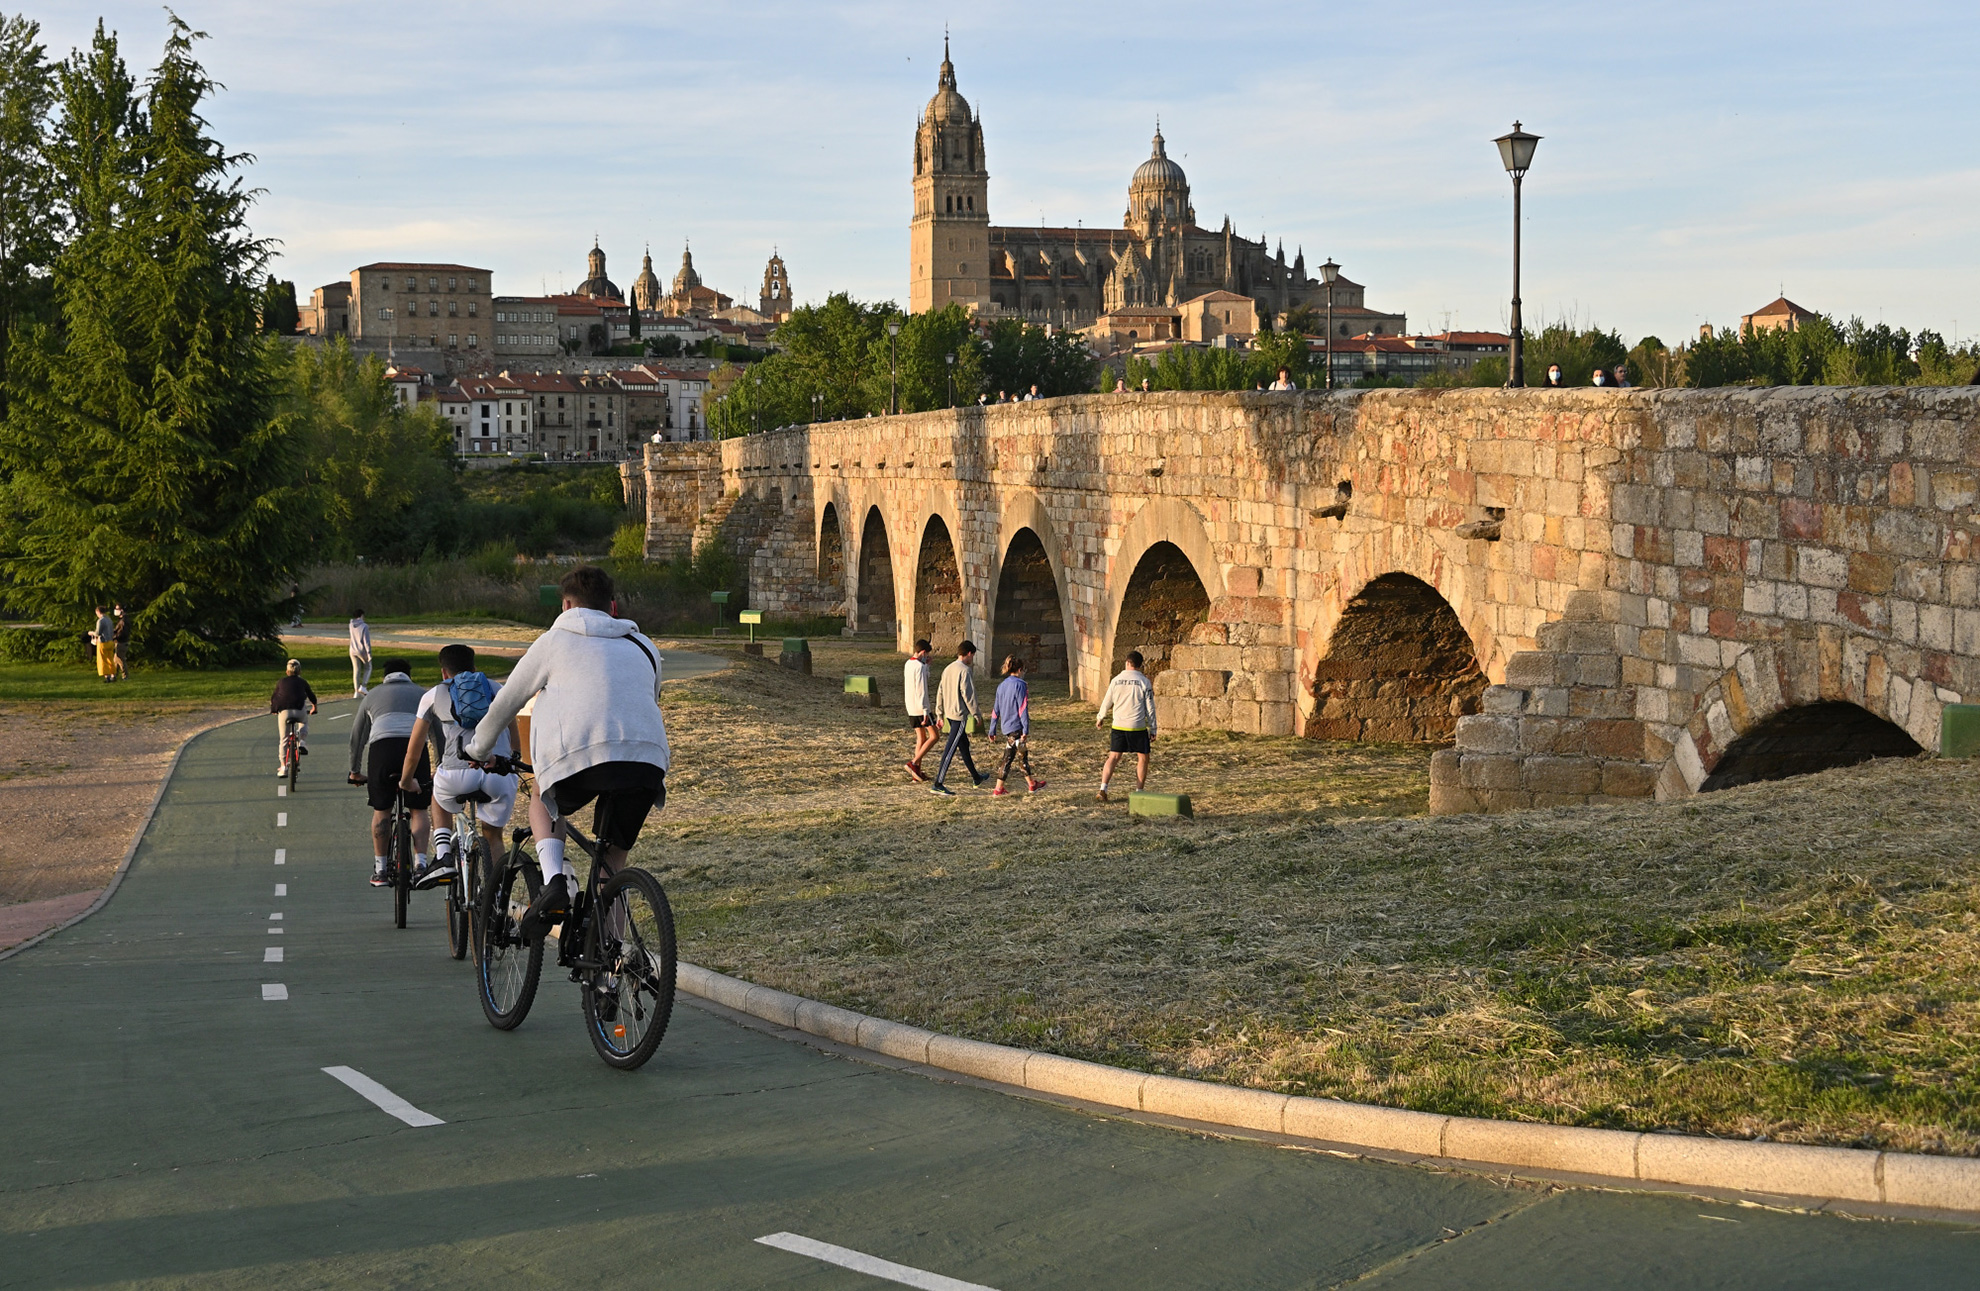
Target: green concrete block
(549,596)
(796,645)
(862,685)
(1959,731)
(1159,804)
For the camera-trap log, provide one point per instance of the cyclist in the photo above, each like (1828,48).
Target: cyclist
(595,732)
(458,709)
(292,703)
(380,735)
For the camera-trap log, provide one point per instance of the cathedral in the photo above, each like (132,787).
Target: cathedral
(1159,259)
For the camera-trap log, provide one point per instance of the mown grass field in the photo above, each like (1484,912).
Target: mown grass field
(1798,960)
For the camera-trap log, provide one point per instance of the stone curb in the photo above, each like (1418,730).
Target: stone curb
(130,853)
(1779,1170)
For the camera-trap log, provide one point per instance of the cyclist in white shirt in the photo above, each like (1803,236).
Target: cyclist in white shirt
(455,777)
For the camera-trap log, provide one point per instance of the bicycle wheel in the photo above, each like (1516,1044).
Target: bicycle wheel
(629,995)
(460,908)
(402,866)
(295,766)
(506,970)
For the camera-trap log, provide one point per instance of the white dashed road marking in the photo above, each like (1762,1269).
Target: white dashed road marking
(871,1265)
(274,991)
(281,791)
(277,916)
(281,820)
(387,1101)
(272,955)
(281,858)
(281,889)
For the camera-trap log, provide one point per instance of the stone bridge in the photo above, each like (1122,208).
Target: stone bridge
(1591,594)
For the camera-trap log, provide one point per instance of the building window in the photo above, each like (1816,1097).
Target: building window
(471,286)
(453,339)
(384,313)
(474,307)
(453,308)
(474,339)
(450,284)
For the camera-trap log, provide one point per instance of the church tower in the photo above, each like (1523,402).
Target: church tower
(774,301)
(949,237)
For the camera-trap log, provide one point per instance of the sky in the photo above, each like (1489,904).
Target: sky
(1696,159)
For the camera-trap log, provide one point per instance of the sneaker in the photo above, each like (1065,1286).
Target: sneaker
(550,906)
(942,790)
(981,776)
(304,750)
(432,875)
(920,776)
(380,879)
(280,772)
(1000,792)
(1033,786)
(1102,797)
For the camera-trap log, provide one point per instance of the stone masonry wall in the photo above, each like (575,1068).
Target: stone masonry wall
(1671,567)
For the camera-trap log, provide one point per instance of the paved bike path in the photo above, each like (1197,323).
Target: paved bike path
(169,1126)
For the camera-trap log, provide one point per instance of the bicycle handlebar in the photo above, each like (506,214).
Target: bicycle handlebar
(502,765)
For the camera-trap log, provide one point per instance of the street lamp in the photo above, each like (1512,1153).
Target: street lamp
(1516,151)
(894,365)
(756,402)
(952,378)
(1329,274)
(814,406)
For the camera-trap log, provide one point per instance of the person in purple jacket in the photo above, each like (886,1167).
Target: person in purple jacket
(1010,714)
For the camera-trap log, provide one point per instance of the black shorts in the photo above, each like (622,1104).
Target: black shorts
(1129,742)
(626,792)
(920,723)
(384,761)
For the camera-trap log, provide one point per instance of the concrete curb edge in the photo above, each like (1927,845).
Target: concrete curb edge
(1626,1157)
(137,839)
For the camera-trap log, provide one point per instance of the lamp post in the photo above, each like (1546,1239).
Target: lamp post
(1516,151)
(1329,273)
(952,378)
(756,402)
(894,365)
(814,406)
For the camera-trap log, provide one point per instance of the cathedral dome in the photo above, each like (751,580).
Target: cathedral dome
(596,284)
(1158,171)
(646,287)
(947,105)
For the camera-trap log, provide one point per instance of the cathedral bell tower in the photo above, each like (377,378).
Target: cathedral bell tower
(949,238)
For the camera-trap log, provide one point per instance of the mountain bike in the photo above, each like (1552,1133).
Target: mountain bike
(463,895)
(617,941)
(399,862)
(292,748)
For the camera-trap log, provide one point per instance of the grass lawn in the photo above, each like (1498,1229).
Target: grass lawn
(327,667)
(1799,960)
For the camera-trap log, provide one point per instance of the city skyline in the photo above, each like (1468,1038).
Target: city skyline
(1691,169)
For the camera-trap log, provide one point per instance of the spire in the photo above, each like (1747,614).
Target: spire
(947,80)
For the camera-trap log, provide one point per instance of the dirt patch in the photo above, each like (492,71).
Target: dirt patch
(1799,960)
(75,781)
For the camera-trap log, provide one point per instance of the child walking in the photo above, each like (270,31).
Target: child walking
(1010,714)
(920,706)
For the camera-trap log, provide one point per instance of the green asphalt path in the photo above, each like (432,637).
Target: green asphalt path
(167,1126)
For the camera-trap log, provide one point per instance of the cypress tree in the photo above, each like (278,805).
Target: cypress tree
(145,454)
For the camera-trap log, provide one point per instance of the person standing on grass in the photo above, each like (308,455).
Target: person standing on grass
(955,703)
(920,701)
(105,640)
(1010,715)
(1131,701)
(360,655)
(120,636)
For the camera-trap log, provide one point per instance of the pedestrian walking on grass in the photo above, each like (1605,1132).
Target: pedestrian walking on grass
(955,704)
(104,638)
(1131,703)
(120,636)
(360,655)
(1010,716)
(916,685)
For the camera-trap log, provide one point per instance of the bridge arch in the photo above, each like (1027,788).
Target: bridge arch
(830,544)
(1028,608)
(940,611)
(1168,522)
(876,605)
(1399,667)
(1799,705)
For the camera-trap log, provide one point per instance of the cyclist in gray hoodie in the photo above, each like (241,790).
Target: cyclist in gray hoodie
(1131,701)
(595,732)
(380,735)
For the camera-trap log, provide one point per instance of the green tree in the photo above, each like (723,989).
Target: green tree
(279,315)
(384,473)
(1019,355)
(31,223)
(1579,351)
(144,452)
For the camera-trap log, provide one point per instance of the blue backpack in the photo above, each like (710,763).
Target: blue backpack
(469,694)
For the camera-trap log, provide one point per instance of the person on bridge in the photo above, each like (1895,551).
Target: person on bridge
(1284,380)
(292,703)
(360,654)
(955,704)
(380,736)
(1131,701)
(1010,716)
(920,701)
(456,708)
(595,732)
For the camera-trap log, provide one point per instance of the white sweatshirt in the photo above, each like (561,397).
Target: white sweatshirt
(914,687)
(596,682)
(1131,700)
(360,639)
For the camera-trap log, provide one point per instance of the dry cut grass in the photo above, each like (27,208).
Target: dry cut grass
(1799,961)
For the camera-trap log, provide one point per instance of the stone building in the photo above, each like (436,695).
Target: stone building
(646,291)
(442,309)
(690,296)
(596,284)
(1158,258)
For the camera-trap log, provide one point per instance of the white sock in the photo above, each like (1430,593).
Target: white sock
(419,860)
(443,840)
(377,865)
(550,855)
